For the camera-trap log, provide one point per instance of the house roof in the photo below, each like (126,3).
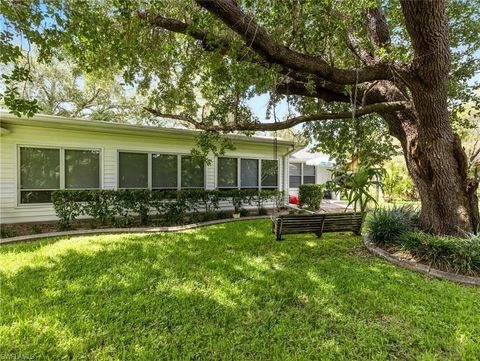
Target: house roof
(57,122)
(312,158)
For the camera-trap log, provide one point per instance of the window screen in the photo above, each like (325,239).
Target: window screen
(164,171)
(269,174)
(227,172)
(39,174)
(82,169)
(193,173)
(249,173)
(133,170)
(308,174)
(295,170)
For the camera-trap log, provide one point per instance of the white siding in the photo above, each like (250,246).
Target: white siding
(110,144)
(322,175)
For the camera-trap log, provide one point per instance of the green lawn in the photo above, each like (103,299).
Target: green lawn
(226,292)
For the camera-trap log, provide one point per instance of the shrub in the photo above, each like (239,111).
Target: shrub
(461,255)
(244,212)
(279,198)
(200,200)
(388,226)
(310,196)
(238,198)
(7,232)
(35,229)
(120,206)
(209,216)
(68,206)
(99,206)
(262,211)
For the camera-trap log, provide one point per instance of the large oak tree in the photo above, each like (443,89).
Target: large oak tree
(406,61)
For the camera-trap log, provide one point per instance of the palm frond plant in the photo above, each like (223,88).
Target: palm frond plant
(357,184)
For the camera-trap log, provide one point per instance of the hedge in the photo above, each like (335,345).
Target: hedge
(120,207)
(310,196)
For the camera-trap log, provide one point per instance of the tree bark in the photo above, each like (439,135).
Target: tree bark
(437,160)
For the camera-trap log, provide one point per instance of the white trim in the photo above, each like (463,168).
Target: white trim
(58,122)
(149,154)
(302,173)
(61,150)
(259,172)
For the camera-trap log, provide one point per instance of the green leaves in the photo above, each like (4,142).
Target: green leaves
(358,185)
(310,196)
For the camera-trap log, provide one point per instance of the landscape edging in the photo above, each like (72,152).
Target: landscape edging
(419,267)
(83,232)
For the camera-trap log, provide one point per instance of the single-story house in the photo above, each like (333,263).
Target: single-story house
(45,153)
(307,167)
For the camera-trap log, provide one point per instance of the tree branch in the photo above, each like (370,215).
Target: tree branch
(259,40)
(288,123)
(300,88)
(323,90)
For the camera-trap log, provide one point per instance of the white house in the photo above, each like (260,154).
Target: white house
(45,153)
(309,167)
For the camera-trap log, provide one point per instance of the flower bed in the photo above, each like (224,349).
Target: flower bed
(394,230)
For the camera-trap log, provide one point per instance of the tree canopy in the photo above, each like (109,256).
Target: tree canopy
(199,67)
(409,62)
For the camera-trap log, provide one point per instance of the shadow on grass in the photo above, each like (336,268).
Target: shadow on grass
(228,291)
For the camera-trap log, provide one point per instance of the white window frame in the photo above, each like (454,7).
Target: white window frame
(149,169)
(62,171)
(239,170)
(238,159)
(302,164)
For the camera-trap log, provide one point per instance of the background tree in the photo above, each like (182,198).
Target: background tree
(60,88)
(408,61)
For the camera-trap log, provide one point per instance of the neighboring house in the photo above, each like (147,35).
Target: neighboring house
(309,167)
(45,153)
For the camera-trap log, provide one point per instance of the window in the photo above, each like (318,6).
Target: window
(227,172)
(159,171)
(164,171)
(269,173)
(301,173)
(82,169)
(295,170)
(249,173)
(44,170)
(308,174)
(133,170)
(193,173)
(39,174)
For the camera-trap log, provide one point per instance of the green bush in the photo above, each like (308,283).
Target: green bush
(461,255)
(119,207)
(262,211)
(244,212)
(68,206)
(35,229)
(387,226)
(99,206)
(310,196)
(7,232)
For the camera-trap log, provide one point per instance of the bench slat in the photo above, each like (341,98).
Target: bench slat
(317,223)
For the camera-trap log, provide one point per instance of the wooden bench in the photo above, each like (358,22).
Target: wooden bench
(317,223)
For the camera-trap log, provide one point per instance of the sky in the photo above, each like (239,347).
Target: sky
(259,105)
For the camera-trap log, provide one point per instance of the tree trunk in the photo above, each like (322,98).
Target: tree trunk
(437,165)
(435,160)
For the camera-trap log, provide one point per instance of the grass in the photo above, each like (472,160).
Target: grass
(226,292)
